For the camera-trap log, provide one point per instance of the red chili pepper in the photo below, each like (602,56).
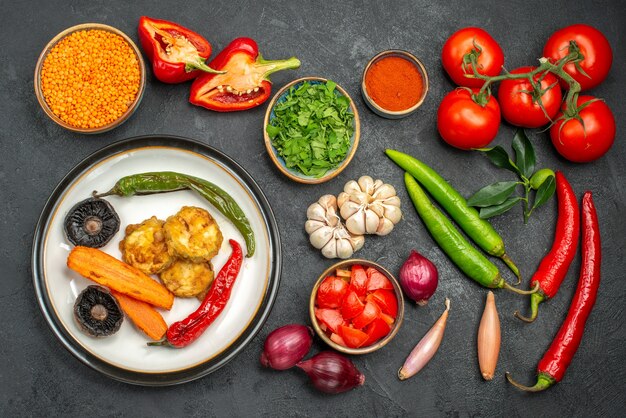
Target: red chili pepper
(245,84)
(553,268)
(555,361)
(177,54)
(182,333)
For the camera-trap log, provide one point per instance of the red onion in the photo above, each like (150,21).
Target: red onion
(286,346)
(331,372)
(419,278)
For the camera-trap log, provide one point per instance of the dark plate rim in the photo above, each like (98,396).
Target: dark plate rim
(175,377)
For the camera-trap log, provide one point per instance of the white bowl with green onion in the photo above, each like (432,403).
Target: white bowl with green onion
(311,130)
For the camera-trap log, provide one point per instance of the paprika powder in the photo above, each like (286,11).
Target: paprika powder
(394,83)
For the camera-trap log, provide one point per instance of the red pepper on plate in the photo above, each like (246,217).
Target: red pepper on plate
(177,54)
(553,268)
(245,83)
(182,333)
(552,366)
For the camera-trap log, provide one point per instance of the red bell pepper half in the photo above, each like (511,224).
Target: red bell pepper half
(245,83)
(177,54)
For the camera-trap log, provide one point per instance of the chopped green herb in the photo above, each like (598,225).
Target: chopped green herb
(312,128)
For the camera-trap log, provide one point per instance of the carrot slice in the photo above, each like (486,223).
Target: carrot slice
(108,271)
(143,315)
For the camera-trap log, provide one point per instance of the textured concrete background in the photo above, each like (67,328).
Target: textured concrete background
(40,378)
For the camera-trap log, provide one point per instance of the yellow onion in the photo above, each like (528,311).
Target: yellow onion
(489,339)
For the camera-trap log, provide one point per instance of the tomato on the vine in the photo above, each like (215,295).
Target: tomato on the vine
(594,47)
(465,41)
(590,140)
(521,108)
(465,124)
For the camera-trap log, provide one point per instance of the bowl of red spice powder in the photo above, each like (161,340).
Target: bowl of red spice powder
(394,84)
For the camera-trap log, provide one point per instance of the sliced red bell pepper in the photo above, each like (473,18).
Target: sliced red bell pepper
(245,84)
(177,54)
(370,312)
(331,317)
(331,292)
(377,280)
(352,305)
(387,301)
(376,330)
(353,338)
(358,280)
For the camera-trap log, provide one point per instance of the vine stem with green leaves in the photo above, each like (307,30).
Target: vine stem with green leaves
(574,56)
(497,198)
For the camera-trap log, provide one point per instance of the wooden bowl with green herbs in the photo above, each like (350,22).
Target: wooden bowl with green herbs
(311,130)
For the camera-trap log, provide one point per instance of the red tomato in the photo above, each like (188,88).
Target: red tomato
(462,42)
(594,47)
(330,317)
(337,339)
(387,318)
(376,330)
(331,292)
(352,305)
(370,312)
(520,109)
(387,301)
(583,144)
(354,338)
(377,280)
(358,280)
(465,124)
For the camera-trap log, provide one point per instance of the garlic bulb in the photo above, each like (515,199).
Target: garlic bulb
(326,232)
(369,207)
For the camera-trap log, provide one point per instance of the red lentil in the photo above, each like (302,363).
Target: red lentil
(90,78)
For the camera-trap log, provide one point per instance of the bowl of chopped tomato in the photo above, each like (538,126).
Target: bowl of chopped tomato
(356,306)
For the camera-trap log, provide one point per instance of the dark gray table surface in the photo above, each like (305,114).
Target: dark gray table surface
(334,40)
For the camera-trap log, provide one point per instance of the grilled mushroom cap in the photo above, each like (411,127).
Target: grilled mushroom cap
(91,223)
(97,313)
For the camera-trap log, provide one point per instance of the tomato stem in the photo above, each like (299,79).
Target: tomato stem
(574,56)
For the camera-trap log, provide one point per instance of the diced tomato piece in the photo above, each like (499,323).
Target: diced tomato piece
(387,301)
(352,305)
(376,330)
(387,318)
(358,280)
(343,273)
(354,338)
(370,312)
(337,339)
(377,280)
(330,317)
(330,293)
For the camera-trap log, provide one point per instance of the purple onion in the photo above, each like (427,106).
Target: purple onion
(419,278)
(286,346)
(331,372)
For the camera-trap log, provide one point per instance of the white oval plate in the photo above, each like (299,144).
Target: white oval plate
(125,355)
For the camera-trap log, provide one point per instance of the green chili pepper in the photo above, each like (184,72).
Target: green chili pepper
(479,230)
(462,253)
(169,181)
